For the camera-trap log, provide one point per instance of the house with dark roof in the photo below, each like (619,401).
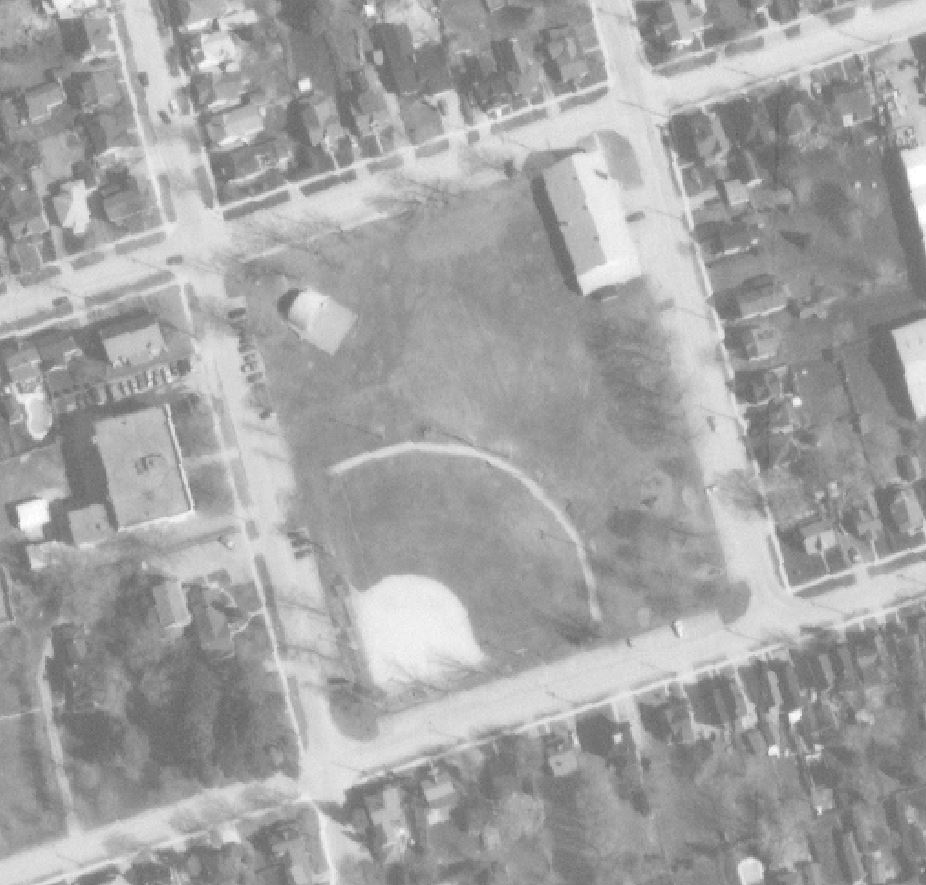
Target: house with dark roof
(394,43)
(239,124)
(87,37)
(317,119)
(863,520)
(121,206)
(43,100)
(215,90)
(565,59)
(94,88)
(26,218)
(761,296)
(440,797)
(421,121)
(210,623)
(250,160)
(432,69)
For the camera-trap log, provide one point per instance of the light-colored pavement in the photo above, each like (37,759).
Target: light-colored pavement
(71,821)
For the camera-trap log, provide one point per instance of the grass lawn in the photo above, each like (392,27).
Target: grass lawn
(478,531)
(31,810)
(467,332)
(211,490)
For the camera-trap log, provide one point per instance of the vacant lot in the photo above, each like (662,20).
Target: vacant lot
(467,333)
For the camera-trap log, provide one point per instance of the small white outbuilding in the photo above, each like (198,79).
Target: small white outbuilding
(320,320)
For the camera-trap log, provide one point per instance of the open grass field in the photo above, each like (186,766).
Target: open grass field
(467,333)
(476,530)
(30,811)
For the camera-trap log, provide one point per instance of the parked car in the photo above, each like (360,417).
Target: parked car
(254,377)
(265,414)
(236,313)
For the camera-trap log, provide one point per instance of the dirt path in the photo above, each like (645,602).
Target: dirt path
(458,450)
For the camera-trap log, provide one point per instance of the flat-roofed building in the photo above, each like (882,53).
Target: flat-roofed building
(910,341)
(144,476)
(589,211)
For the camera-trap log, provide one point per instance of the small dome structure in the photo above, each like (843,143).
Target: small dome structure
(320,320)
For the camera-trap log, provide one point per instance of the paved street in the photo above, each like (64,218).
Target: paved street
(638,103)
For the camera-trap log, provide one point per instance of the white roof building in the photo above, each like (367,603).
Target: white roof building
(320,320)
(914,162)
(587,204)
(32,516)
(910,341)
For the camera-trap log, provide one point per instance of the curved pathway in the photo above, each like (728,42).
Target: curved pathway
(458,450)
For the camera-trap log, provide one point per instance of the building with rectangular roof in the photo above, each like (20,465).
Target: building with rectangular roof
(144,474)
(586,202)
(910,343)
(132,340)
(89,525)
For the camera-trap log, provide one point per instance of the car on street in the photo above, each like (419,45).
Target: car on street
(265,414)
(236,313)
(174,259)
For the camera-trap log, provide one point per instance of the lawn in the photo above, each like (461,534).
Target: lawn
(31,810)
(467,332)
(476,530)
(211,490)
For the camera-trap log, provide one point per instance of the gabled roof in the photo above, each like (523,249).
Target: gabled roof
(41,100)
(170,604)
(395,43)
(432,69)
(132,339)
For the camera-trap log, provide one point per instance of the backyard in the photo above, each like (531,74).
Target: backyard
(468,335)
(839,252)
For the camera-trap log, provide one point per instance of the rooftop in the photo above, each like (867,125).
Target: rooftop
(144,476)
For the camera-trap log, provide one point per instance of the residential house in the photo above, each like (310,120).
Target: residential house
(394,44)
(421,121)
(761,296)
(89,525)
(734,194)
(43,100)
(26,217)
(817,537)
(122,206)
(87,38)
(432,70)
(811,873)
(205,15)
(317,119)
(680,24)
(250,160)
(730,240)
(700,138)
(761,342)
(368,102)
(235,126)
(132,339)
(792,115)
(862,519)
(910,344)
(851,859)
(743,165)
(210,624)
(93,89)
(208,51)
(215,91)
(389,820)
(769,689)
(440,797)
(792,694)
(904,510)
(564,55)
(170,607)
